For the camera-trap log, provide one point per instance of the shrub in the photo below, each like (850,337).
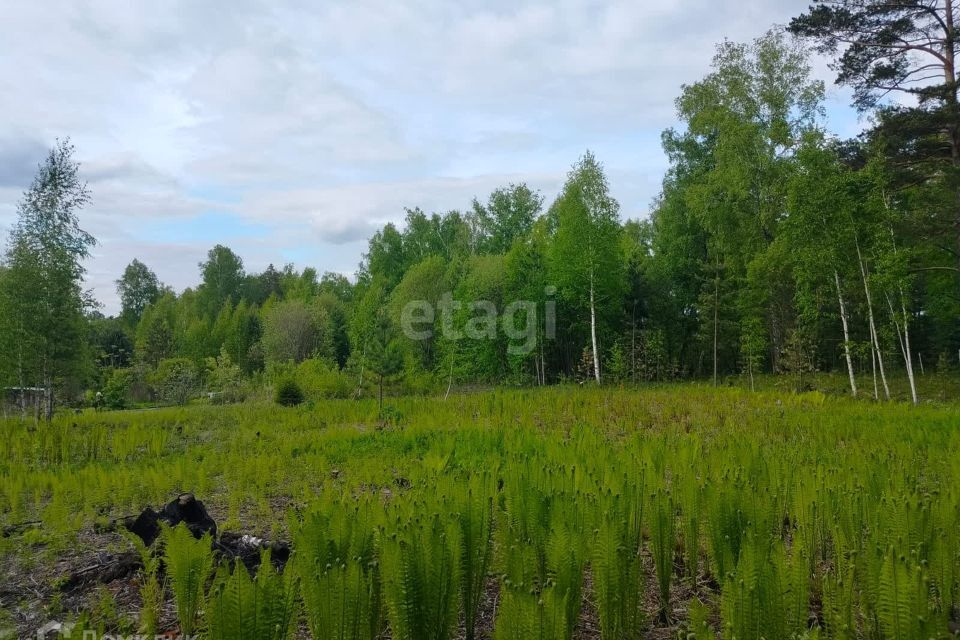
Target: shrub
(116,391)
(175,380)
(323,379)
(289,393)
(225,379)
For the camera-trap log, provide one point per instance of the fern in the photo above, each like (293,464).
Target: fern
(697,625)
(525,614)
(691,526)
(726,527)
(188,562)
(617,571)
(241,608)
(338,576)
(566,556)
(663,543)
(420,564)
(838,603)
(904,608)
(740,600)
(475,516)
(151,589)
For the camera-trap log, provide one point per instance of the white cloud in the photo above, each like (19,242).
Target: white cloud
(318,122)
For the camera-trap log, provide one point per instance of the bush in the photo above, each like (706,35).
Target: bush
(175,380)
(224,379)
(116,391)
(321,379)
(289,393)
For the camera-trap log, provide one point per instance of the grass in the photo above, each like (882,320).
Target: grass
(766,514)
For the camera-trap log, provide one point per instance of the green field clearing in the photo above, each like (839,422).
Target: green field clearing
(555,513)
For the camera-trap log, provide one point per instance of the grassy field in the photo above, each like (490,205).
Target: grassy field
(564,512)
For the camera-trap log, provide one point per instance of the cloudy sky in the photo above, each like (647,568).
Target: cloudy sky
(290,131)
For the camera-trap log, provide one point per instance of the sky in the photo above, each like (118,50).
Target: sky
(291,131)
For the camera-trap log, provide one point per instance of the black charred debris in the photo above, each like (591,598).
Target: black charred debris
(187,510)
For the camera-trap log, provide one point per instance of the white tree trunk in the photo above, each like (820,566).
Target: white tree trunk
(904,338)
(593,331)
(905,341)
(363,361)
(450,383)
(20,377)
(716,318)
(873,325)
(909,358)
(846,335)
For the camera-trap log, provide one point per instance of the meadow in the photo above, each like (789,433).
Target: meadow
(565,512)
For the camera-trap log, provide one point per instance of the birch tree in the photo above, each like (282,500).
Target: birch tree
(137,288)
(908,49)
(819,200)
(585,260)
(43,299)
(745,120)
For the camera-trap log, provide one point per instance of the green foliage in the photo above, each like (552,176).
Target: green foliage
(585,261)
(663,543)
(223,276)
(175,380)
(338,574)
(138,287)
(241,608)
(508,216)
(322,379)
(904,608)
(151,587)
(288,393)
(225,378)
(116,393)
(774,502)
(766,597)
(43,302)
(293,332)
(188,564)
(697,626)
(420,561)
(528,615)
(617,568)
(474,506)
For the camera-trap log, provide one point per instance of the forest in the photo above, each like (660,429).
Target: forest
(530,418)
(773,247)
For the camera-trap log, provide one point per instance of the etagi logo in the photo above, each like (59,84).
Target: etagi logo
(519,320)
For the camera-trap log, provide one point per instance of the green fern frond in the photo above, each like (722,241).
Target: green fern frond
(188,563)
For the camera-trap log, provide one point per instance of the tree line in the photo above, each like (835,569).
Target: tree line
(773,246)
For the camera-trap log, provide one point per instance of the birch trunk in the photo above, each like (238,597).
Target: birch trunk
(873,326)
(593,331)
(450,382)
(846,335)
(21,378)
(904,338)
(716,317)
(363,361)
(909,357)
(48,395)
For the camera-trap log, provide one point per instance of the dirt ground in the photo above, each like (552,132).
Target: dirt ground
(101,575)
